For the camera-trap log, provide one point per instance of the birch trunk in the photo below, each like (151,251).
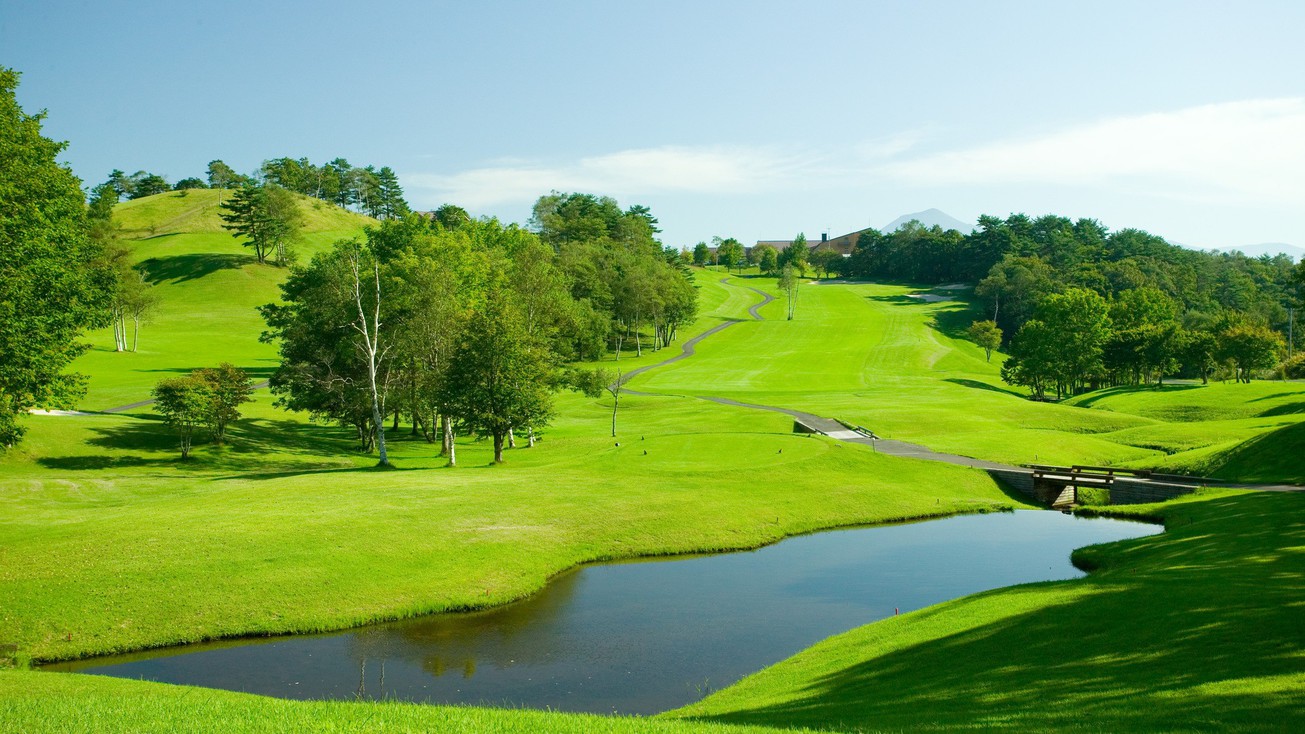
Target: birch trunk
(371,334)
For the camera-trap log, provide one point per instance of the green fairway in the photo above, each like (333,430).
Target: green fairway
(1195,629)
(111,544)
(875,356)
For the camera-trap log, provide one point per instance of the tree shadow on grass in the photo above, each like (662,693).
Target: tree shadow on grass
(1131,650)
(898,300)
(1269,457)
(983,386)
(955,318)
(256,448)
(256,374)
(192,266)
(1109,392)
(98,463)
(1284,409)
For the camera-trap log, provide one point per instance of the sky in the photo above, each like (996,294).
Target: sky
(755,120)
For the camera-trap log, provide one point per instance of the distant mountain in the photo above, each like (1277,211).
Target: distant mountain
(1269,248)
(929,218)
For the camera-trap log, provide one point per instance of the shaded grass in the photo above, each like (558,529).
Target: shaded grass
(1195,629)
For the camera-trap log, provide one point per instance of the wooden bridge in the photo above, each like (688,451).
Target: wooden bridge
(1059,486)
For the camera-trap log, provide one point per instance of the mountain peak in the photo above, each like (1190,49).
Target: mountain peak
(928,217)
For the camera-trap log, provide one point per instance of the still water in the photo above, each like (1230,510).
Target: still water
(644,637)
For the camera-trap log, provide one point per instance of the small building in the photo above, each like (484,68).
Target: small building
(842,244)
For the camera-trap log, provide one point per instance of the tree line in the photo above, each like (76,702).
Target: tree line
(464,326)
(373,191)
(1079,306)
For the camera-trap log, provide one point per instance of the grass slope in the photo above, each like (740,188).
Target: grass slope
(874,355)
(208,286)
(1196,629)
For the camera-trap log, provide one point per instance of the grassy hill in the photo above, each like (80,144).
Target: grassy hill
(878,356)
(110,544)
(209,286)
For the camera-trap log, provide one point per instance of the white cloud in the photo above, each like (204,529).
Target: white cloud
(640,171)
(1233,152)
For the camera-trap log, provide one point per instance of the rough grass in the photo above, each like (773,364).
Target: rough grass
(1196,629)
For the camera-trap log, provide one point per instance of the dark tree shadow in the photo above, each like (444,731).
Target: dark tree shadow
(193,266)
(1284,409)
(983,386)
(1107,392)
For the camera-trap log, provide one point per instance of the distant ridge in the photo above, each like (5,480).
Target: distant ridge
(1269,248)
(929,217)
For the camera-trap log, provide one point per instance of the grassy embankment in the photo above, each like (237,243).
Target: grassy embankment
(1197,629)
(875,356)
(110,544)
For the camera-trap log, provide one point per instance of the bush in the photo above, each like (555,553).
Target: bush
(1294,368)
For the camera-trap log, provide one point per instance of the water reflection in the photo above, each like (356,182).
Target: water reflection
(644,637)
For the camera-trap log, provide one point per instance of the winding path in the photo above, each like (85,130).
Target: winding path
(143,403)
(688,348)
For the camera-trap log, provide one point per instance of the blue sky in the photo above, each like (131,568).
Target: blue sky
(748,119)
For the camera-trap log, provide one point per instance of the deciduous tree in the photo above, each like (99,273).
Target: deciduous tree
(229,388)
(789,283)
(985,334)
(186,404)
(1250,348)
(498,378)
(53,284)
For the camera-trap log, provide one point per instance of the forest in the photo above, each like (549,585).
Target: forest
(1079,306)
(464,325)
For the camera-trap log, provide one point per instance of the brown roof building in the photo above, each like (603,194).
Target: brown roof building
(842,244)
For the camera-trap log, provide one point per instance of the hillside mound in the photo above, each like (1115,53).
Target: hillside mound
(195,211)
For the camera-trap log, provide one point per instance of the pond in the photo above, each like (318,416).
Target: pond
(646,636)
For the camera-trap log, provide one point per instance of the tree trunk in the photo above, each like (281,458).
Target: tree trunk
(135,333)
(498,448)
(446,432)
(371,334)
(450,446)
(530,437)
(511,439)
